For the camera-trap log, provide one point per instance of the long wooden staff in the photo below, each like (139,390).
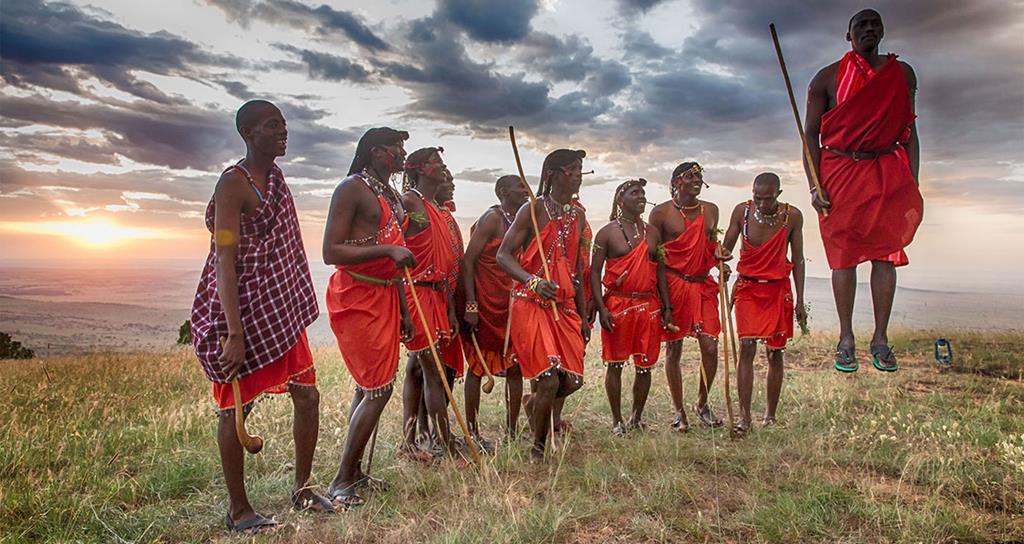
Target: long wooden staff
(796,115)
(724,302)
(488,385)
(252,444)
(533,213)
(440,369)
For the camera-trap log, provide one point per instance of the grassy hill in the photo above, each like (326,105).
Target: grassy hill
(120,448)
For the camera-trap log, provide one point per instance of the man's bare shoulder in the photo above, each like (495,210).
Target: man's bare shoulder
(413,202)
(353,187)
(231,184)
(826,74)
(606,231)
(909,74)
(794,213)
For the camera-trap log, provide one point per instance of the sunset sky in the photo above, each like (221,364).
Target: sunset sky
(116,117)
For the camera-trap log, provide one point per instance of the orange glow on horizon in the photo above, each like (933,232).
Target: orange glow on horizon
(90,233)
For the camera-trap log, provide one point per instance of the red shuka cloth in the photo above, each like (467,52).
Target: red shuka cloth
(365,317)
(435,259)
(877,206)
(294,367)
(694,304)
(633,304)
(765,310)
(451,352)
(539,342)
(492,287)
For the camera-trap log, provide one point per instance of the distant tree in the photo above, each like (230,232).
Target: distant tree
(12,349)
(185,333)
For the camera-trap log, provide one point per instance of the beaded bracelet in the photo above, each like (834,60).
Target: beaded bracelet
(472,308)
(533,283)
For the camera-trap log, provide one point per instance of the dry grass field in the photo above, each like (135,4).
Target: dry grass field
(120,448)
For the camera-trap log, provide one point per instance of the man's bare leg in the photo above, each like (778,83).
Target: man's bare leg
(472,391)
(641,388)
(774,383)
(708,360)
(613,388)
(364,420)
(514,383)
(844,289)
(883,291)
(567,385)
(305,431)
(232,462)
(542,404)
(674,377)
(745,377)
(412,393)
(433,394)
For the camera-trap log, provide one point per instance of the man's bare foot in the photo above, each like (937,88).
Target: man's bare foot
(536,454)
(306,500)
(413,453)
(679,424)
(706,417)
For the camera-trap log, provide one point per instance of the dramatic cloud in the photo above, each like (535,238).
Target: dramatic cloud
(56,46)
(490,21)
(632,8)
(325,21)
(329,67)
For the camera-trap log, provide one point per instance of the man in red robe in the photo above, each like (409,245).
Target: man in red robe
(363,239)
(487,289)
(628,310)
(762,296)
(549,350)
(428,236)
(254,301)
(863,140)
(682,239)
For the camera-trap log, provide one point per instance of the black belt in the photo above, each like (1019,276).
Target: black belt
(759,280)
(435,285)
(372,280)
(684,277)
(862,155)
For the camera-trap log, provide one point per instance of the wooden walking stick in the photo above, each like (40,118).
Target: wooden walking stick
(252,444)
(440,369)
(488,385)
(724,303)
(533,214)
(813,168)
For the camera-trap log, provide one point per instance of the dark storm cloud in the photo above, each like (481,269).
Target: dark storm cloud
(325,21)
(327,66)
(56,45)
(632,8)
(573,59)
(490,21)
(172,136)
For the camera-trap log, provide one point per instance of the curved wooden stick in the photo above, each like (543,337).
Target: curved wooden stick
(796,114)
(488,385)
(723,302)
(440,369)
(252,444)
(533,214)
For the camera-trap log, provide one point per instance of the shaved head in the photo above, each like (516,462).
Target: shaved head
(251,113)
(505,182)
(863,13)
(767,179)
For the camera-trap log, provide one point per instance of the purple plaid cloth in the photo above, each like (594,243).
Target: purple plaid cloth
(275,290)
